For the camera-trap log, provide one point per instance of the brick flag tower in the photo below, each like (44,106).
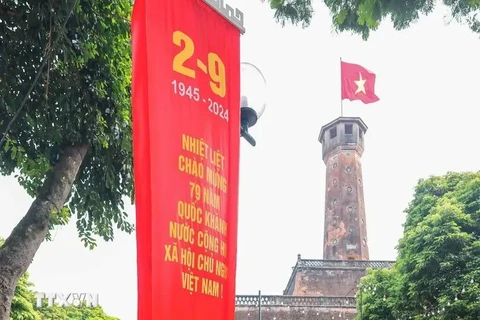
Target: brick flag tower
(324,289)
(345,236)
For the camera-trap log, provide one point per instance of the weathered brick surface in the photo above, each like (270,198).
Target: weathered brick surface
(295,313)
(345,235)
(327,282)
(329,278)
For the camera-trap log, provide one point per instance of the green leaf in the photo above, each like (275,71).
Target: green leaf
(363,16)
(438,255)
(89,72)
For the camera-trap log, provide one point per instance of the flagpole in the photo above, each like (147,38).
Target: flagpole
(341,100)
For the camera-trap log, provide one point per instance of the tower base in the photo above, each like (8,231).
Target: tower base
(317,289)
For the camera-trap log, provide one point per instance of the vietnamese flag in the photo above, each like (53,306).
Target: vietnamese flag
(358,83)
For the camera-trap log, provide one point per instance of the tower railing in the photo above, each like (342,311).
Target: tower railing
(295,301)
(363,264)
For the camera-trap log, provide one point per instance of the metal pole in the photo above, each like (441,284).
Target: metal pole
(341,88)
(259,305)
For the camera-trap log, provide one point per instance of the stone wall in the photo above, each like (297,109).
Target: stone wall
(329,278)
(295,313)
(327,282)
(294,308)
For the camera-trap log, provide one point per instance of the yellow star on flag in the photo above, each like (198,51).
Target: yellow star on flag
(360,84)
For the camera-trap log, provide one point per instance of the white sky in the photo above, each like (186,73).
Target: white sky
(425,123)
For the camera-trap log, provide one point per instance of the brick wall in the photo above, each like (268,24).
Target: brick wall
(327,282)
(294,313)
(294,308)
(329,278)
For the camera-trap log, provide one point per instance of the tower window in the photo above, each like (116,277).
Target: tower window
(348,129)
(361,134)
(333,133)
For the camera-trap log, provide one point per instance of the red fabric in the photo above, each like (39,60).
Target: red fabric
(358,83)
(141,159)
(162,120)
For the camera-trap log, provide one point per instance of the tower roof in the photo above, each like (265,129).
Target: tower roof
(333,123)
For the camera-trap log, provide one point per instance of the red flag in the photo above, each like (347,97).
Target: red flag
(358,83)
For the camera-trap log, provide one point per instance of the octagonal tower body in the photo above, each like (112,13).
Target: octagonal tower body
(345,236)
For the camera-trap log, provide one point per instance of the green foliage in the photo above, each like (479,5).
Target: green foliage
(295,11)
(437,273)
(73,313)
(24,301)
(378,294)
(23,306)
(363,16)
(82,97)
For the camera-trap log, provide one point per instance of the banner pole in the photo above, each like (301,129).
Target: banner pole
(341,98)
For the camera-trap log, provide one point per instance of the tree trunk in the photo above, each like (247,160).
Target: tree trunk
(20,247)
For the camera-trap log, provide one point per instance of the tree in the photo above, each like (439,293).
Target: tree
(378,295)
(22,302)
(65,122)
(72,313)
(23,306)
(363,16)
(437,273)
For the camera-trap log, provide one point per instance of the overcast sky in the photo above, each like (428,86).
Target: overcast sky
(426,123)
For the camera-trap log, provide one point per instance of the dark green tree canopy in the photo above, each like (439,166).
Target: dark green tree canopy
(363,16)
(65,122)
(437,273)
(82,98)
(378,295)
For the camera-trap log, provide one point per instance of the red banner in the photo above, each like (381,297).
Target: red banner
(186,108)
